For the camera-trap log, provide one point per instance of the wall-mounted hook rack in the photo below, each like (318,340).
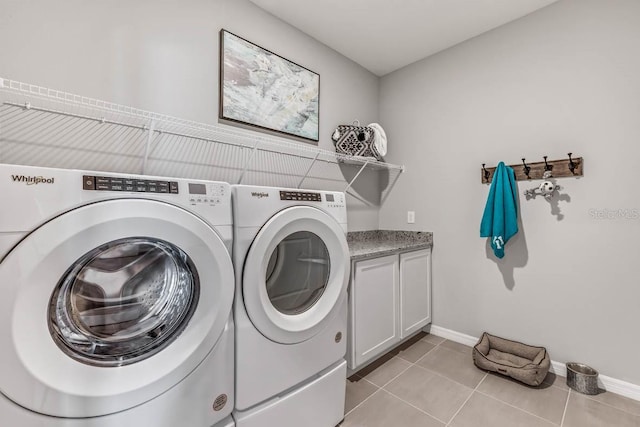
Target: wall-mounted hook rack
(527,171)
(485,172)
(572,164)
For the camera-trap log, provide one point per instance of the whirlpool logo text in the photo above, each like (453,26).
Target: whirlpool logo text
(32,180)
(259,195)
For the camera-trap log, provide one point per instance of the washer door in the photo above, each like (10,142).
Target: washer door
(296,274)
(109,305)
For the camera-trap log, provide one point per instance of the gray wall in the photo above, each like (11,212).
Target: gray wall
(563,79)
(162,56)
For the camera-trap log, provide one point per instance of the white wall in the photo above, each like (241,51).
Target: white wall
(563,79)
(162,55)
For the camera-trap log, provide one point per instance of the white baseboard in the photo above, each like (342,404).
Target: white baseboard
(613,385)
(454,336)
(559,368)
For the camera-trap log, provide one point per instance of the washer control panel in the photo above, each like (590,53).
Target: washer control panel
(206,193)
(106,183)
(209,193)
(334,200)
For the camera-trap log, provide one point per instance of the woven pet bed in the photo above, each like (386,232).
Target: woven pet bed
(521,362)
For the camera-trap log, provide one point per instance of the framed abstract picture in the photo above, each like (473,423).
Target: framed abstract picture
(260,88)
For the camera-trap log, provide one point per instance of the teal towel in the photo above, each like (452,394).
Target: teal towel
(500,218)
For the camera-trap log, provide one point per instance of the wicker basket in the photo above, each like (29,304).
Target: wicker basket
(355,140)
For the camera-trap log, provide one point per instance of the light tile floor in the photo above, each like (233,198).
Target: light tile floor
(431,381)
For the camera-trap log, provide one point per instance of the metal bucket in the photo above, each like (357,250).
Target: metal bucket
(582,378)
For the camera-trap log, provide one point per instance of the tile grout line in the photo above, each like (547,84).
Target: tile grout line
(442,375)
(495,398)
(446,377)
(413,364)
(419,358)
(429,342)
(609,405)
(551,384)
(566,405)
(414,406)
(465,402)
(380,387)
(481,381)
(363,378)
(515,407)
(433,349)
(403,371)
(592,398)
(367,398)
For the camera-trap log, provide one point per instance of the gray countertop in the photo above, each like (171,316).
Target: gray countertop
(377,243)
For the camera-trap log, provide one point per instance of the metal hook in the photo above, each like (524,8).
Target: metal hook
(572,165)
(486,173)
(526,169)
(547,167)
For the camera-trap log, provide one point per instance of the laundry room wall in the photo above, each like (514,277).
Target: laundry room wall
(562,79)
(162,55)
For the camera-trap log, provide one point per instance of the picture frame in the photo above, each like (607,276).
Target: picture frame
(264,90)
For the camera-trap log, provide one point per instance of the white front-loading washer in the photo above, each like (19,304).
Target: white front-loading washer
(292,269)
(116,300)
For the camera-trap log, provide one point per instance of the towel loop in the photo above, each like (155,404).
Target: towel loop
(486,172)
(526,169)
(547,166)
(572,165)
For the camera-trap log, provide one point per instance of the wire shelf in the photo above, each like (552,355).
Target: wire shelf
(47,127)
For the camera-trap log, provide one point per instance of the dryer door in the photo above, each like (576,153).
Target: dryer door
(296,274)
(109,305)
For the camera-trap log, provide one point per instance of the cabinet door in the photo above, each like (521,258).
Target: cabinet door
(374,305)
(415,291)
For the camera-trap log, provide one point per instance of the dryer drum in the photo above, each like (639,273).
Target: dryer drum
(123,301)
(297,272)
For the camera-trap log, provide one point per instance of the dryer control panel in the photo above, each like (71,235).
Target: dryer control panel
(333,200)
(306,196)
(255,205)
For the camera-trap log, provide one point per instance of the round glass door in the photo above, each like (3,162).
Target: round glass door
(298,272)
(123,301)
(141,286)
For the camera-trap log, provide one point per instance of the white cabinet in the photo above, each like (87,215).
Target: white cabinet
(374,306)
(389,300)
(415,291)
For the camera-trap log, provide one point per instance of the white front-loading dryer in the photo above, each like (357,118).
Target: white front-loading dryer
(292,269)
(116,300)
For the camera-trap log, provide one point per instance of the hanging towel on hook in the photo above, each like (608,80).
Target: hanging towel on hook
(500,218)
